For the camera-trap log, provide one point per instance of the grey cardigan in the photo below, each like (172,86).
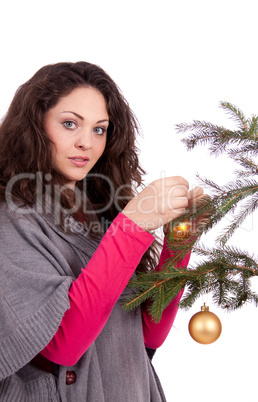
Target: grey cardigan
(38,263)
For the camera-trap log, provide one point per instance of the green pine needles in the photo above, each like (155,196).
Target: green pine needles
(224,271)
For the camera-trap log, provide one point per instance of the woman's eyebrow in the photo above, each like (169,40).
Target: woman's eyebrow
(76,114)
(82,118)
(103,121)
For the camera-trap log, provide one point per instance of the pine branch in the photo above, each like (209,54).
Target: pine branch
(220,138)
(247,147)
(226,199)
(159,287)
(224,271)
(225,277)
(226,274)
(204,133)
(247,209)
(251,168)
(236,114)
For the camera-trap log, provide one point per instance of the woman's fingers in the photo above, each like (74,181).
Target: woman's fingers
(194,194)
(160,202)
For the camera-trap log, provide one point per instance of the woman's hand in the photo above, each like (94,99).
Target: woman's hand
(159,203)
(196,197)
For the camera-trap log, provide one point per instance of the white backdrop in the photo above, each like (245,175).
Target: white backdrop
(174,61)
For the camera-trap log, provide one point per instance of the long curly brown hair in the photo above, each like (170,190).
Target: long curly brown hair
(26,148)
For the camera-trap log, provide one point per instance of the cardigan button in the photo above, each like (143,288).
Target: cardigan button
(70,377)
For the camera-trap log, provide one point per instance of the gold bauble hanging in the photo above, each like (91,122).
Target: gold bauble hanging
(205,327)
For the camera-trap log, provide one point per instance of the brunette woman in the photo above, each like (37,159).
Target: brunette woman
(72,233)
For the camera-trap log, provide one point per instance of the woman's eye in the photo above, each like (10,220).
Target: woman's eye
(69,124)
(99,130)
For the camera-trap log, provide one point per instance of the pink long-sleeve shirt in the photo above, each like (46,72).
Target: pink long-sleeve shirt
(94,293)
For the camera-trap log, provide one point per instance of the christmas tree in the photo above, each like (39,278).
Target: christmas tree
(224,271)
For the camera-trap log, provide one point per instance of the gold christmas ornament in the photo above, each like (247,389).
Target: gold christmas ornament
(205,327)
(183,230)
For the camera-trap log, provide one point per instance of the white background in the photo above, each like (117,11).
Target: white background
(174,61)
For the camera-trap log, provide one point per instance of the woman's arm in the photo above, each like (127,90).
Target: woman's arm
(94,293)
(155,334)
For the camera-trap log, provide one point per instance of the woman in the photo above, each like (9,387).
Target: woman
(72,234)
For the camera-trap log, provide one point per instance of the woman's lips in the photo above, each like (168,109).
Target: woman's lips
(79,161)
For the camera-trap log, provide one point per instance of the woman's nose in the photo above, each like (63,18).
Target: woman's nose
(84,141)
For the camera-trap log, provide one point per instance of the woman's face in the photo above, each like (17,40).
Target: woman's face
(77,126)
